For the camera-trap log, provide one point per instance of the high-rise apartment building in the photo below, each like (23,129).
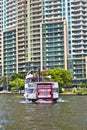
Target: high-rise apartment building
(44,34)
(48,35)
(0,38)
(58,29)
(14,36)
(75,13)
(79,39)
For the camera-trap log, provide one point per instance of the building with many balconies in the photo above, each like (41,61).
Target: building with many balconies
(59,36)
(48,35)
(75,12)
(1,38)
(44,33)
(79,39)
(14,36)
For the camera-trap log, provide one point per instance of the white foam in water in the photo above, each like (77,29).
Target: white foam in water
(25,101)
(61,100)
(30,102)
(22,102)
(1,126)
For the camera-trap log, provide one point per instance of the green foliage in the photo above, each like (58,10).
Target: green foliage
(12,83)
(13,89)
(81,91)
(68,85)
(19,75)
(60,89)
(83,85)
(59,75)
(17,83)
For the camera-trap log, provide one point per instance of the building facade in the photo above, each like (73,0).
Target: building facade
(75,12)
(1,38)
(14,36)
(44,34)
(65,49)
(48,35)
(79,39)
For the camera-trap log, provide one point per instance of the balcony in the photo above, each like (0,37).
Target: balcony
(35,6)
(35,2)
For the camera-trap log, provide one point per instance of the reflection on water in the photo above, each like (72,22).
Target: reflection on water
(70,113)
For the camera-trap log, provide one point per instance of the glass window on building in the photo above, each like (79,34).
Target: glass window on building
(63,9)
(69,23)
(68,4)
(68,8)
(63,14)
(69,51)
(69,13)
(68,18)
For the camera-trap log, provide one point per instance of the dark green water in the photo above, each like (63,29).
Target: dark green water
(69,114)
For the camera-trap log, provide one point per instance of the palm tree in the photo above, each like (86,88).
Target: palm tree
(3,82)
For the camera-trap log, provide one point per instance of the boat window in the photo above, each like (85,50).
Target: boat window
(55,90)
(29,90)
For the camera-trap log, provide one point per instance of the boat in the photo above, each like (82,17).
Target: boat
(39,91)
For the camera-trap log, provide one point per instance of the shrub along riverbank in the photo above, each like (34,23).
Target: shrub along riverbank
(74,91)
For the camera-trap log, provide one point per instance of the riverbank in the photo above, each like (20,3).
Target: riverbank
(9,92)
(67,93)
(72,94)
(5,91)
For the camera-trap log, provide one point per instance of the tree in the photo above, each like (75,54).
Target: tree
(59,75)
(19,75)
(17,83)
(3,82)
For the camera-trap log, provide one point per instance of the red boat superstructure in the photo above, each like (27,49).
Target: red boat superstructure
(45,91)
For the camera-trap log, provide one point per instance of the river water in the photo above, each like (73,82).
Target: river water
(70,113)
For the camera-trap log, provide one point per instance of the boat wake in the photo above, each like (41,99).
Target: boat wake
(26,101)
(43,101)
(61,100)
